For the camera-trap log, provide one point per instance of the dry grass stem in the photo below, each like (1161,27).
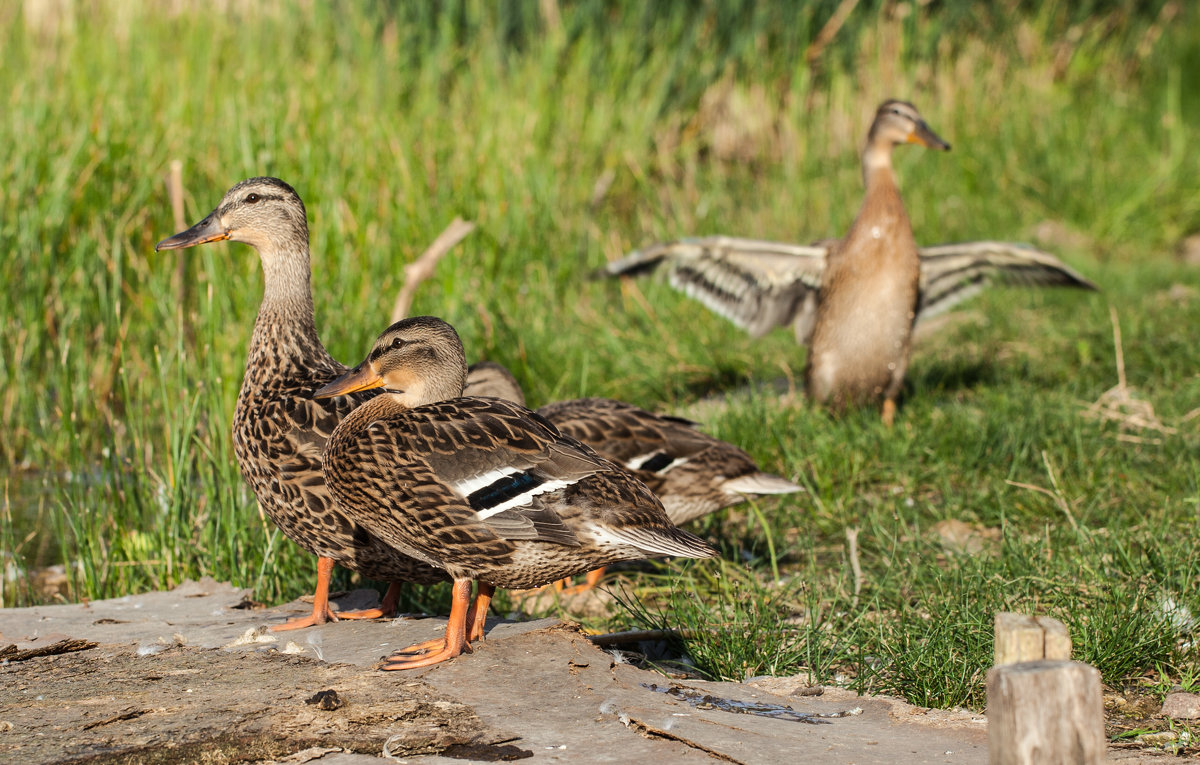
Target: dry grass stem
(852,551)
(1054,493)
(1119,404)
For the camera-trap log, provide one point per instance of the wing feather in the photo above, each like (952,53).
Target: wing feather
(755,284)
(951,273)
(761,285)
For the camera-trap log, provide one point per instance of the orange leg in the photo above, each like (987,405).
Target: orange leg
(889,412)
(455,641)
(321,612)
(589,584)
(387,607)
(476,617)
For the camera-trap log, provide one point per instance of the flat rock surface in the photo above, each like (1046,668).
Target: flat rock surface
(1182,706)
(192,675)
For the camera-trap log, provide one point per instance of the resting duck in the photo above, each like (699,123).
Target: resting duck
(481,487)
(853,301)
(692,473)
(279,428)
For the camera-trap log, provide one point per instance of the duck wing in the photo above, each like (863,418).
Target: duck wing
(691,472)
(757,285)
(459,481)
(628,435)
(951,273)
(760,285)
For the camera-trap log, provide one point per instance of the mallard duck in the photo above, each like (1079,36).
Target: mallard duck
(692,473)
(854,301)
(279,429)
(481,487)
(487,378)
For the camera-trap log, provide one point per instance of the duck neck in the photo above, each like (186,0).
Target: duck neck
(881,205)
(285,337)
(877,165)
(372,410)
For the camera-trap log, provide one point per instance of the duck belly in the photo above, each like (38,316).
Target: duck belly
(861,340)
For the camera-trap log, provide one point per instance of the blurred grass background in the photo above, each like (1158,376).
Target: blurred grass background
(571,132)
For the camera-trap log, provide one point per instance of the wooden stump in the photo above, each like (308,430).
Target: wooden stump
(1030,638)
(1045,712)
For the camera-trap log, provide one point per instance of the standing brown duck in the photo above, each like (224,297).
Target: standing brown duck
(279,428)
(481,487)
(854,301)
(863,332)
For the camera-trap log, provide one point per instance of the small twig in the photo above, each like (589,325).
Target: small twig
(1119,403)
(423,267)
(1120,349)
(551,16)
(175,193)
(829,31)
(11,653)
(130,714)
(600,188)
(852,543)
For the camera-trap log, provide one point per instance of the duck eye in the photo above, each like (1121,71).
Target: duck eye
(251,198)
(397,343)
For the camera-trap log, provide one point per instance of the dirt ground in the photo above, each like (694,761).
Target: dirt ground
(192,675)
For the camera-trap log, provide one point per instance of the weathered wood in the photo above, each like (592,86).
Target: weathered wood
(1020,637)
(12,653)
(1045,711)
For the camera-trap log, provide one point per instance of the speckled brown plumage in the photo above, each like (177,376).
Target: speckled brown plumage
(479,486)
(402,467)
(279,430)
(487,378)
(692,473)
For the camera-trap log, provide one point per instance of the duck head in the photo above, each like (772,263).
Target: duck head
(418,360)
(897,122)
(265,213)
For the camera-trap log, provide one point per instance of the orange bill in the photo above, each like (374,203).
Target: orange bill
(362,377)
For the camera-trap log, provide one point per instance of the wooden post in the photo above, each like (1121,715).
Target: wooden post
(1029,638)
(1041,707)
(175,193)
(1045,711)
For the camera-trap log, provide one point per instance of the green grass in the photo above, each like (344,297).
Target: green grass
(118,386)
